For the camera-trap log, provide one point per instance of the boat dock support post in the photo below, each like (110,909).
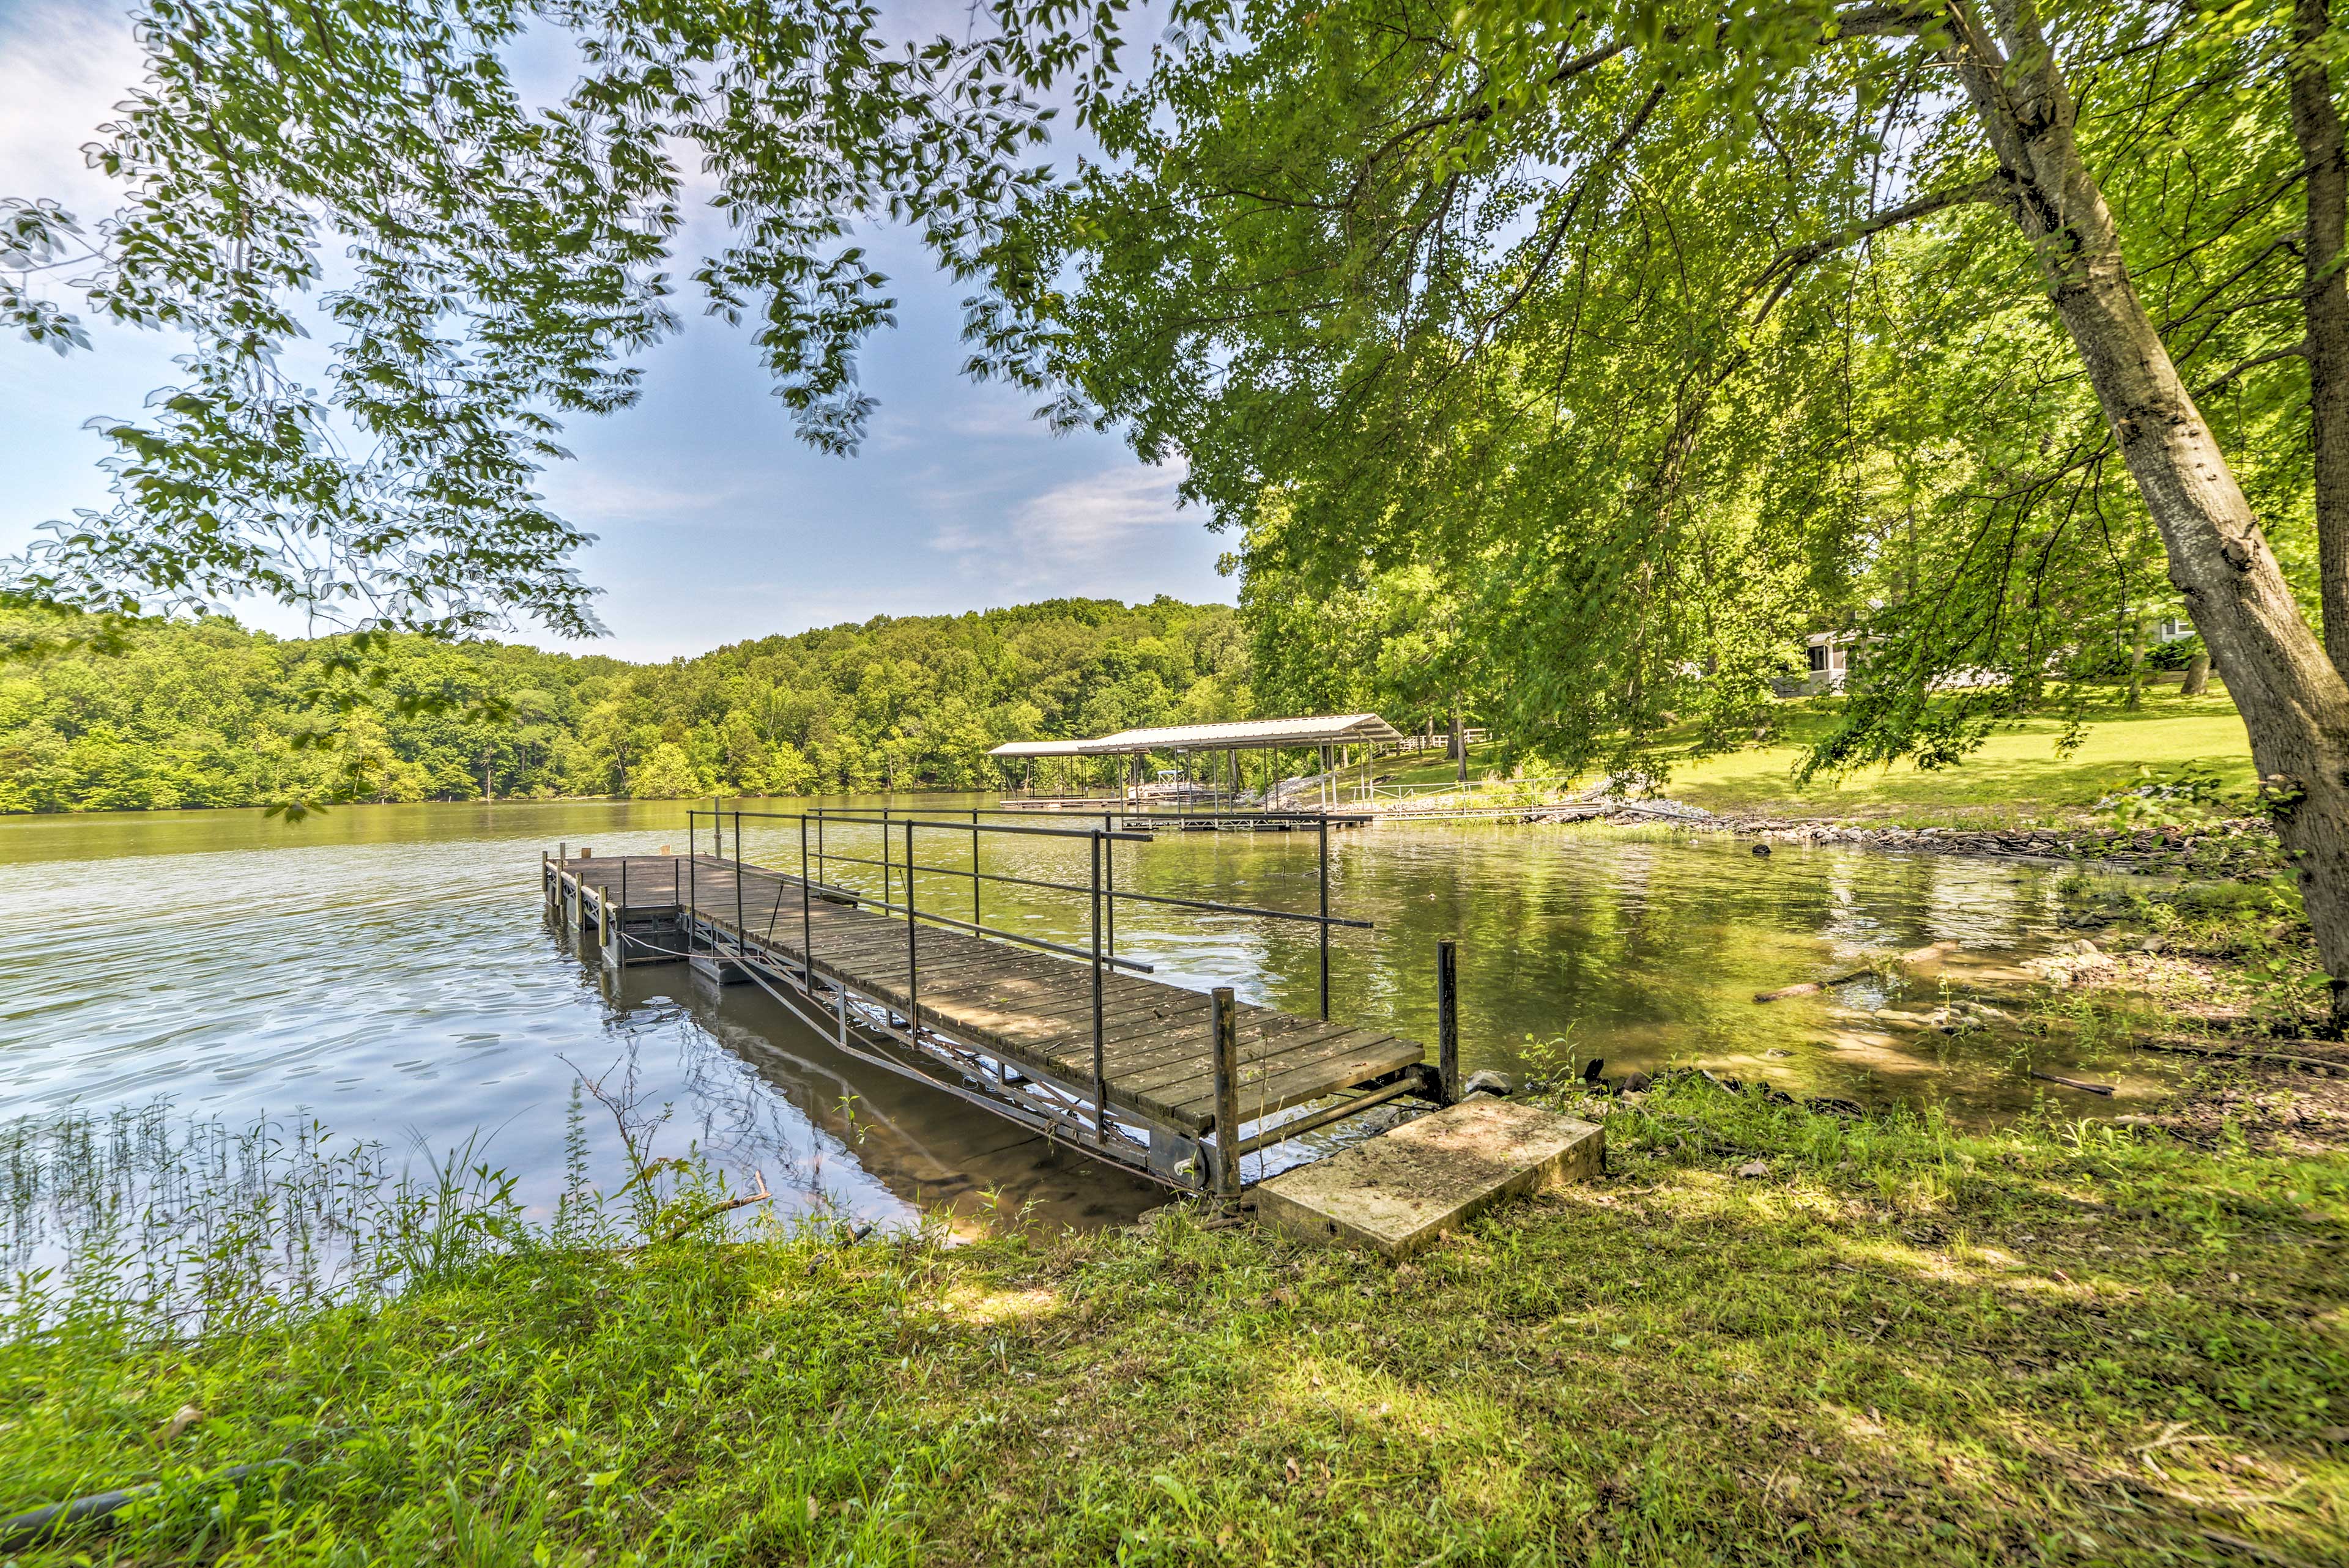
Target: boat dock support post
(1324,827)
(1228,1094)
(1447,1018)
(1101,1076)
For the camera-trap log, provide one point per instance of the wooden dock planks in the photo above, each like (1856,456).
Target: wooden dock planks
(1029,1007)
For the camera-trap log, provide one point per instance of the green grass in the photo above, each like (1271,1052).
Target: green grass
(2016,777)
(2057,1343)
(2014,780)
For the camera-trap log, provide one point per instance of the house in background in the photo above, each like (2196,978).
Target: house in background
(1829,656)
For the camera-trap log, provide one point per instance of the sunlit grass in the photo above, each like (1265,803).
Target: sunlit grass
(2015,781)
(1904,1342)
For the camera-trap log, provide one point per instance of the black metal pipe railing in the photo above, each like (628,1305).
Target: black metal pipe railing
(1102,895)
(823,814)
(875,814)
(887,817)
(1211,905)
(1043,943)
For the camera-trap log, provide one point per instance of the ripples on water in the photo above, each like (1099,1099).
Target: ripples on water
(386,970)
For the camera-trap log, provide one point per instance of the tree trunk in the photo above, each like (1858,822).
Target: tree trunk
(1459,740)
(2137,664)
(2294,701)
(2324,305)
(2198,675)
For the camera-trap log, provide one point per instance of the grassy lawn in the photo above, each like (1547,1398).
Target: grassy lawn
(2015,778)
(1897,1343)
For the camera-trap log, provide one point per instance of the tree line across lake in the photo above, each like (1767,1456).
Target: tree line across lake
(165,715)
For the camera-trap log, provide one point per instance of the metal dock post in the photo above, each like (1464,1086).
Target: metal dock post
(1325,917)
(1447,1018)
(913,960)
(1101,1080)
(807,918)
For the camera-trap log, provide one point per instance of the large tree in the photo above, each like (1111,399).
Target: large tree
(1644,311)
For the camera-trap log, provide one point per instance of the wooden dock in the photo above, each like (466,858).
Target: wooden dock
(1085,1048)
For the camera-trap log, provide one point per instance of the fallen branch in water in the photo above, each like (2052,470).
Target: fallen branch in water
(2104,1088)
(709,1212)
(2186,1048)
(1917,955)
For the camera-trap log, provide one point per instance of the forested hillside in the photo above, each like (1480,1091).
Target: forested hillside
(214,715)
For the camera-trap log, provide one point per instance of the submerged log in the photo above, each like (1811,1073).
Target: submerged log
(1916,955)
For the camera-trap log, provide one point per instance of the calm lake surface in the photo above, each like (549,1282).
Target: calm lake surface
(388,970)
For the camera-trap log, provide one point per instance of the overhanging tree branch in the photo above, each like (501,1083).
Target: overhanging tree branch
(1871,21)
(1779,275)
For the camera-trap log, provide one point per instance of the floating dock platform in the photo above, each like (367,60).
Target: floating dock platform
(1075,1042)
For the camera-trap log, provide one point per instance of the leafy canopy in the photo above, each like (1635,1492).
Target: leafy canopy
(1659,334)
(481,267)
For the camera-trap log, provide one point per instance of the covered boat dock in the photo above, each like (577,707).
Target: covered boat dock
(1209,773)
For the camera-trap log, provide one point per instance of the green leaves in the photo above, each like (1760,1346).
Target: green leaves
(1655,336)
(37,237)
(480,268)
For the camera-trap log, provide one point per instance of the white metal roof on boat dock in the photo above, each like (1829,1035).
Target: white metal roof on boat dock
(1243,735)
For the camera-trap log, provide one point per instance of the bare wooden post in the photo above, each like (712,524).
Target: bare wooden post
(624,911)
(742,922)
(973,866)
(1447,1018)
(1228,1093)
(807,918)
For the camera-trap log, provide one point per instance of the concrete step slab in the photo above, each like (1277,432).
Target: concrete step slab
(1398,1191)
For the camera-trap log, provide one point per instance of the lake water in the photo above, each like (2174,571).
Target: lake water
(388,970)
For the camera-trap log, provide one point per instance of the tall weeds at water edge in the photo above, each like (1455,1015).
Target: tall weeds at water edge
(149,1226)
(156,1226)
(137,1246)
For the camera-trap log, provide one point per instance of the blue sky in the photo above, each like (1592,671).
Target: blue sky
(714,523)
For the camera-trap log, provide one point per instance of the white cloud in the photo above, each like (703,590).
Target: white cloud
(1090,516)
(591,494)
(1086,535)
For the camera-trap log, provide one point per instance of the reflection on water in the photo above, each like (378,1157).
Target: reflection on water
(386,969)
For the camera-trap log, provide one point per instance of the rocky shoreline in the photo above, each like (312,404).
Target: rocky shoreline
(2243,846)
(2238,847)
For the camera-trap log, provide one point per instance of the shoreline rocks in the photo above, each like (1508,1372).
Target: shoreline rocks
(2243,846)
(2240,847)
